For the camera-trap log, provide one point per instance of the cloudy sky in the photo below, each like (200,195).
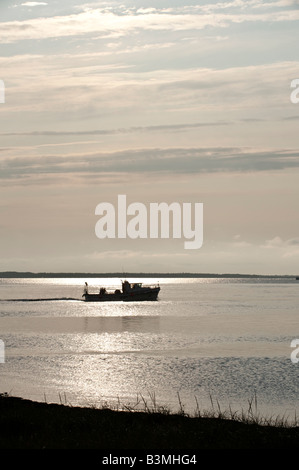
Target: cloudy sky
(162,101)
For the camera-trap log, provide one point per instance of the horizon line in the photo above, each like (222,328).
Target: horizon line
(134,274)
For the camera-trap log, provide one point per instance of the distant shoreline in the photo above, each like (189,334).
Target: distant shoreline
(16,274)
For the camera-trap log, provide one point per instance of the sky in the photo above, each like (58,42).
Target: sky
(161,101)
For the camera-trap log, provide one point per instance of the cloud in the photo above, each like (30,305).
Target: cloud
(33,4)
(114,23)
(122,130)
(96,21)
(275,242)
(149,161)
(278,242)
(293,241)
(83,85)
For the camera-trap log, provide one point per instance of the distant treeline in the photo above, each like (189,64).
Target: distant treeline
(15,274)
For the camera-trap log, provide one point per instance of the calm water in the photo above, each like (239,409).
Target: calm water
(222,338)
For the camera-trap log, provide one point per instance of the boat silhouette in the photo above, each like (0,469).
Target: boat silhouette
(130,292)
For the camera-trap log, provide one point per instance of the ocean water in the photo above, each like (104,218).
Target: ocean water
(206,342)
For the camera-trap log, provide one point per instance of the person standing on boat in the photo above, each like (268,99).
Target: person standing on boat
(85,292)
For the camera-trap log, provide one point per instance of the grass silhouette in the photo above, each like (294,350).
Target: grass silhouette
(25,424)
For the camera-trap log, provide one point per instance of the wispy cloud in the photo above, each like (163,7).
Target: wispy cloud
(82,83)
(114,23)
(149,161)
(123,130)
(33,4)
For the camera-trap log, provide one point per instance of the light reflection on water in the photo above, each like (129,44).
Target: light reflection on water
(203,336)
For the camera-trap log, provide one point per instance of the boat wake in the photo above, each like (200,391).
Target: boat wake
(41,299)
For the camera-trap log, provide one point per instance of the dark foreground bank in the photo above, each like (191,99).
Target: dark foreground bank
(29,425)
